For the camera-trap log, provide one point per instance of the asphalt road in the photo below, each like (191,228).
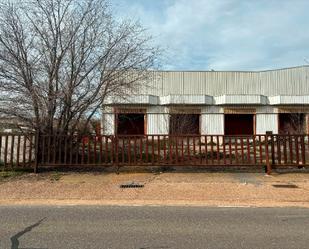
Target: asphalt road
(153,227)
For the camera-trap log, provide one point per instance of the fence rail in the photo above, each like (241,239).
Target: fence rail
(30,150)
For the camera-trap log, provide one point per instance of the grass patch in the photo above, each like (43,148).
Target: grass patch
(55,176)
(7,174)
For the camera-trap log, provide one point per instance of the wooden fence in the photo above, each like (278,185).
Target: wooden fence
(35,151)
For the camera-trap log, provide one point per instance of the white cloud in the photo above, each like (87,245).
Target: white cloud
(227,34)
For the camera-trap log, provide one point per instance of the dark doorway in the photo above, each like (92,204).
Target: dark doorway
(292,123)
(131,124)
(239,124)
(184,124)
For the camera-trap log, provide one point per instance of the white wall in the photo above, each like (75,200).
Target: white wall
(266,120)
(212,121)
(108,121)
(157,120)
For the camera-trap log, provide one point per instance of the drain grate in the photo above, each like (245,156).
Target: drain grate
(285,186)
(132,185)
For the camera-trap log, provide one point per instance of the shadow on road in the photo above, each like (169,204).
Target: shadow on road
(15,238)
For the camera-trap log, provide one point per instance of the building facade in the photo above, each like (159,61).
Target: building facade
(214,103)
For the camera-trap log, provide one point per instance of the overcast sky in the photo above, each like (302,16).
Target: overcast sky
(225,34)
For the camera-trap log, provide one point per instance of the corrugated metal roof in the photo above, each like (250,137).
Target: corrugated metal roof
(289,81)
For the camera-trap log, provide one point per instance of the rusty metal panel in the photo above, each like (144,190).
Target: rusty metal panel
(184,110)
(236,110)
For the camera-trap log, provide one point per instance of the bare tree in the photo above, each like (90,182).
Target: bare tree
(184,124)
(60,59)
(293,123)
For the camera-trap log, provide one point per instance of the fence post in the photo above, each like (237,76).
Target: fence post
(116,142)
(268,165)
(303,151)
(36,151)
(272,149)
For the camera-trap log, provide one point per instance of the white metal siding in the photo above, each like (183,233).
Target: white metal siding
(186,100)
(157,124)
(134,99)
(157,120)
(289,100)
(266,122)
(108,121)
(291,81)
(212,124)
(266,119)
(212,120)
(240,100)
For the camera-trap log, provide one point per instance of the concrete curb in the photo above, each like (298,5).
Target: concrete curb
(209,203)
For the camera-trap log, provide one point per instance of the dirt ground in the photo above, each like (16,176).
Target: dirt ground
(173,188)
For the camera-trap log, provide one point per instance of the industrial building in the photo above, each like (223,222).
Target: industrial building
(213,103)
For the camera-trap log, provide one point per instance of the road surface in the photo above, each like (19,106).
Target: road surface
(152,227)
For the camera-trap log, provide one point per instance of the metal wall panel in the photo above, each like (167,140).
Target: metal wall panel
(266,122)
(157,123)
(186,100)
(108,121)
(290,81)
(212,124)
(240,99)
(133,99)
(108,124)
(289,100)
(157,120)
(212,120)
(266,119)
(173,83)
